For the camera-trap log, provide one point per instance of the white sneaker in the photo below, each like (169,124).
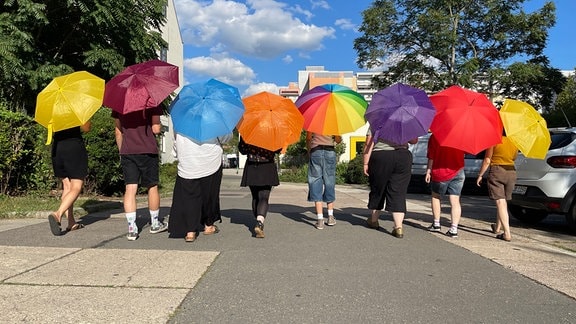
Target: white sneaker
(132,236)
(320,224)
(161,227)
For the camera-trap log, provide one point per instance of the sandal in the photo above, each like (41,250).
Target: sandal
(54,225)
(493,227)
(501,237)
(190,238)
(74,227)
(216,230)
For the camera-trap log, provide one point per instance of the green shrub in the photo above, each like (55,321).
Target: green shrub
(168,174)
(341,172)
(355,171)
(295,174)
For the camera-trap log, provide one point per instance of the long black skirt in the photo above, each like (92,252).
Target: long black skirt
(195,204)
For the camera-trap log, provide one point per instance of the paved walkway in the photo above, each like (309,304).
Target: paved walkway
(297,274)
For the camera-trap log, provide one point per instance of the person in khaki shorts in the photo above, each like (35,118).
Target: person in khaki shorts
(501,181)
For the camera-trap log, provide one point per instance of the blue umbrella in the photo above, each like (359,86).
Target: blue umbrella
(399,113)
(204,111)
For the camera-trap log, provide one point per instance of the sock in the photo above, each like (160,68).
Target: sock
(154,217)
(131,218)
(260,218)
(436,222)
(454,228)
(330,212)
(320,216)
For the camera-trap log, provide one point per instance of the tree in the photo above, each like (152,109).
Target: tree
(563,114)
(434,44)
(43,39)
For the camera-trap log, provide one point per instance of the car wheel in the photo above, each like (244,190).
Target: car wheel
(571,218)
(527,215)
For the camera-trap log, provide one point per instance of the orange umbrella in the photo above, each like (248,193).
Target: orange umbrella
(270,121)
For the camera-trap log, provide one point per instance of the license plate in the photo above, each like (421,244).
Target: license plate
(519,190)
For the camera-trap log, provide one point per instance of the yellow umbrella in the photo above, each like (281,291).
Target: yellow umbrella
(525,128)
(68,101)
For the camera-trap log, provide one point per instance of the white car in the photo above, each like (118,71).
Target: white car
(549,185)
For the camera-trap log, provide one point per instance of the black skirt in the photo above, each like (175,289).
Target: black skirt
(260,174)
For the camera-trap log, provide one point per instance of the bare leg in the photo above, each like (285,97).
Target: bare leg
(319,207)
(398,219)
(130,198)
(456,209)
(503,218)
(436,206)
(71,192)
(153,198)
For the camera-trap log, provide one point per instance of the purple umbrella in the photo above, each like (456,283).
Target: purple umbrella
(399,113)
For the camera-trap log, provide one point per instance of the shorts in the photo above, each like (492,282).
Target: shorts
(501,182)
(142,169)
(452,187)
(322,175)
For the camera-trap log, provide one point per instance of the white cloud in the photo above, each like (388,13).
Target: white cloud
(259,87)
(259,28)
(287,59)
(345,24)
(320,4)
(225,69)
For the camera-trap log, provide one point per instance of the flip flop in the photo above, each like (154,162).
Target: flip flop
(493,227)
(190,238)
(74,227)
(54,225)
(501,237)
(216,230)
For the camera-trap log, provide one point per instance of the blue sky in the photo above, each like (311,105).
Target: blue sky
(259,45)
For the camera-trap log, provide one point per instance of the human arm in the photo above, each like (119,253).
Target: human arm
(367,153)
(428,176)
(337,139)
(308,142)
(156,125)
(86,127)
(485,165)
(118,133)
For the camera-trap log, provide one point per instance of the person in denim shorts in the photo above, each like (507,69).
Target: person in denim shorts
(445,174)
(322,174)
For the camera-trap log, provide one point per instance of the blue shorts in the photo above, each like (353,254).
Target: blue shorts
(322,176)
(452,187)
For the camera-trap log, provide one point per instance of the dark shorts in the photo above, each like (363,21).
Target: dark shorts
(452,187)
(142,169)
(70,159)
(501,182)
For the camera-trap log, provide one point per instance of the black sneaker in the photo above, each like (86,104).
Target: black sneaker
(451,234)
(434,228)
(259,230)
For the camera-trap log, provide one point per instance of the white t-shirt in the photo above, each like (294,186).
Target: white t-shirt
(198,159)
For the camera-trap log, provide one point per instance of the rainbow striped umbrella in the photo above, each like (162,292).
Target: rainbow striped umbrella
(332,109)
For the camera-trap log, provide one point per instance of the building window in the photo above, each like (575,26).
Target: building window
(164,54)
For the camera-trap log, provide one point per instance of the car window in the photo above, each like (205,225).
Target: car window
(560,140)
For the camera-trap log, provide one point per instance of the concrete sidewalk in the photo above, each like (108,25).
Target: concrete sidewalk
(297,274)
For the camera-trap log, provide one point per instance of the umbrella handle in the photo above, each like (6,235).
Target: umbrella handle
(49,139)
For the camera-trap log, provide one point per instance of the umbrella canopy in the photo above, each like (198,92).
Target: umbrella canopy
(332,109)
(141,86)
(69,101)
(203,111)
(400,113)
(525,128)
(270,121)
(465,120)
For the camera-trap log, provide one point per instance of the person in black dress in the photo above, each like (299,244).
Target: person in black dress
(70,164)
(260,175)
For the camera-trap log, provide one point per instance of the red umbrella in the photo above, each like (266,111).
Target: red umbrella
(141,86)
(465,120)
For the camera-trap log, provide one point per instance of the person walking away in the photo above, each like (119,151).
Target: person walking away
(70,164)
(389,169)
(136,140)
(260,175)
(501,180)
(445,174)
(322,175)
(196,198)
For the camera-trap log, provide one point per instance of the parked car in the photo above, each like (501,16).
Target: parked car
(549,185)
(472,164)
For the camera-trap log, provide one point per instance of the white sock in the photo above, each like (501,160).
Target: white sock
(454,228)
(260,218)
(330,212)
(131,218)
(154,217)
(320,216)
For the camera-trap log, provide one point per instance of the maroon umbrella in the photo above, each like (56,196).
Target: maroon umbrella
(141,86)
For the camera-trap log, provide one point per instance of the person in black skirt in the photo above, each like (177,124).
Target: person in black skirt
(70,164)
(260,175)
